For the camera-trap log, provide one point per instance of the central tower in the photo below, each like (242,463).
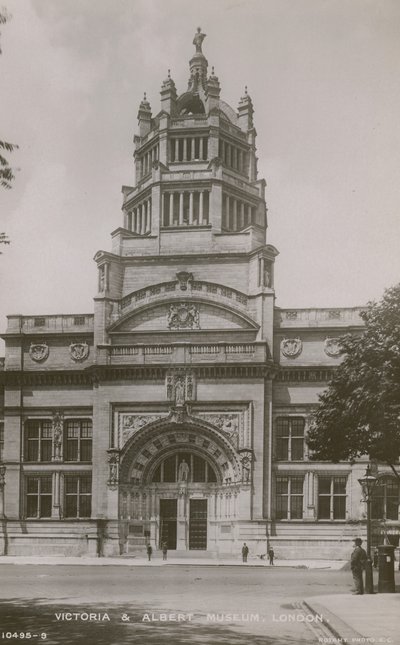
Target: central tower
(183,329)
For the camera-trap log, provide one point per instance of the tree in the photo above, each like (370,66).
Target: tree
(6,171)
(359,412)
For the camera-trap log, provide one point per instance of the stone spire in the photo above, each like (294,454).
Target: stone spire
(168,95)
(144,116)
(245,112)
(198,65)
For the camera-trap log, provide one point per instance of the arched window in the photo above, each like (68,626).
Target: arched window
(198,469)
(385,500)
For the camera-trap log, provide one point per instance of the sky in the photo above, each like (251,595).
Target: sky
(324,79)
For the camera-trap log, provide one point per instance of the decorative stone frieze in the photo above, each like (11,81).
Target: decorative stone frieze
(79,351)
(291,347)
(39,352)
(130,423)
(246,460)
(332,347)
(231,424)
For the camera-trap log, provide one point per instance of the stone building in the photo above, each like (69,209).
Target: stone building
(178,411)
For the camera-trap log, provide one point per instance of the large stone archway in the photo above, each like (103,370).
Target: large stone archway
(198,511)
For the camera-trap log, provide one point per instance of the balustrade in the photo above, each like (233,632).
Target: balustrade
(185,208)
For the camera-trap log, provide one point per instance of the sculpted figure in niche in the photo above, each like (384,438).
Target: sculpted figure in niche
(183,471)
(179,393)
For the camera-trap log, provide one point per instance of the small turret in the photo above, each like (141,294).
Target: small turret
(168,95)
(245,112)
(144,117)
(213,90)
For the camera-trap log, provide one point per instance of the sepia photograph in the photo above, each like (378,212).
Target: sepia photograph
(199,322)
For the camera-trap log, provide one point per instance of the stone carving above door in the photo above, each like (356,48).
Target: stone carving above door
(130,422)
(229,423)
(79,351)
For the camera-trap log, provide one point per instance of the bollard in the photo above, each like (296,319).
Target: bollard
(386,569)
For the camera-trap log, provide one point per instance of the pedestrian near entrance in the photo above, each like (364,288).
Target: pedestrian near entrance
(357,564)
(245,552)
(271,555)
(164,549)
(149,552)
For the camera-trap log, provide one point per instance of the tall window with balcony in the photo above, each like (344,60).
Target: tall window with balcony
(332,497)
(289,438)
(38,440)
(78,440)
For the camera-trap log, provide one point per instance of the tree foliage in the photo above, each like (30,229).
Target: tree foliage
(359,412)
(6,171)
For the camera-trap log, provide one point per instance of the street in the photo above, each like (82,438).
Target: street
(175,604)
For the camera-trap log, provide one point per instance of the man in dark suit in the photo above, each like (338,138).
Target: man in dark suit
(357,564)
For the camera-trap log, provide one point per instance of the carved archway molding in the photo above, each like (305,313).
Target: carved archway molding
(178,431)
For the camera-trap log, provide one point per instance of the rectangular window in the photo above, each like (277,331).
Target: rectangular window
(39,322)
(78,440)
(38,496)
(77,496)
(38,440)
(332,498)
(79,320)
(289,497)
(289,438)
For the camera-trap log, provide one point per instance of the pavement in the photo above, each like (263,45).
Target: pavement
(157,561)
(352,619)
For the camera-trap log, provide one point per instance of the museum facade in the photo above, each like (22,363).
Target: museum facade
(178,411)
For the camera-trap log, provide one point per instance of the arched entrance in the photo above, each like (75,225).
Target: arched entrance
(179,481)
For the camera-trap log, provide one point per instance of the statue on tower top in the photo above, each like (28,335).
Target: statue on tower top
(198,39)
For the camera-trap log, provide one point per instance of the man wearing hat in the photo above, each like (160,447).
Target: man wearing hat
(357,564)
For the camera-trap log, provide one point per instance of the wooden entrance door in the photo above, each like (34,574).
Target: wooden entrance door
(198,524)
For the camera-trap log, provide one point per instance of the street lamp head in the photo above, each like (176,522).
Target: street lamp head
(367,483)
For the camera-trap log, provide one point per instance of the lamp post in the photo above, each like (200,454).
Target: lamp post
(368,483)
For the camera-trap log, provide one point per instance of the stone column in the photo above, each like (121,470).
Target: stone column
(181,522)
(235,213)
(193,148)
(242,222)
(171,209)
(144,218)
(239,160)
(162,223)
(201,142)
(181,194)
(309,496)
(176,149)
(191,207)
(148,228)
(55,509)
(201,206)
(185,149)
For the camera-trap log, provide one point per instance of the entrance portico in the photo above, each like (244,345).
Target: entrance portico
(181,483)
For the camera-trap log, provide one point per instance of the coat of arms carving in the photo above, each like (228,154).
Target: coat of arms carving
(38,351)
(332,347)
(183,316)
(79,351)
(291,347)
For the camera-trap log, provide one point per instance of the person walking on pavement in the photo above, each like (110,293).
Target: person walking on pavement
(245,552)
(164,548)
(149,552)
(271,555)
(357,564)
